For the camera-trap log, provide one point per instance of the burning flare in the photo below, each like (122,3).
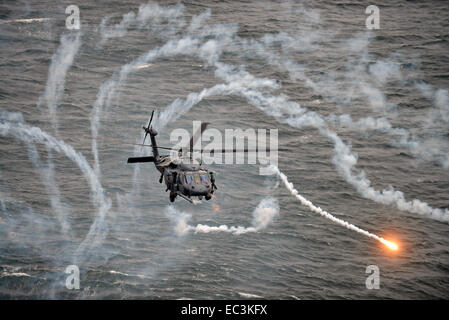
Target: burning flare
(390,245)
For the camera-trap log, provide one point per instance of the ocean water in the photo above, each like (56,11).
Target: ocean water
(362,118)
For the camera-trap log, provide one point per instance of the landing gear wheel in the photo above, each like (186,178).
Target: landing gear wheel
(172,196)
(208,196)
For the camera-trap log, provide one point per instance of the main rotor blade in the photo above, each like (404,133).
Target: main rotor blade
(146,133)
(149,145)
(140,159)
(211,151)
(151,119)
(197,136)
(148,127)
(237,150)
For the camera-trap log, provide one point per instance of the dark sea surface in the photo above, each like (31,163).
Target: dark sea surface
(358,111)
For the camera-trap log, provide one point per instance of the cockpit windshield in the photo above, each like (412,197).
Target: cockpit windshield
(197,178)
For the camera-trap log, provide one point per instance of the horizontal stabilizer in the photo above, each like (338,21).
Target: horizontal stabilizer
(141,159)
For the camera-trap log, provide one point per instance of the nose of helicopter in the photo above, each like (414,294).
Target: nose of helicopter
(199,189)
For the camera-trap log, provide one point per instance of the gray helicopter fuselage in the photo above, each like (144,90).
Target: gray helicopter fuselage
(189,179)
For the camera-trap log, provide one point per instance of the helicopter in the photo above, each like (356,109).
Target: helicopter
(184,176)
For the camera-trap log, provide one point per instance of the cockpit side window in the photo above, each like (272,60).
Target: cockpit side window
(189,178)
(204,178)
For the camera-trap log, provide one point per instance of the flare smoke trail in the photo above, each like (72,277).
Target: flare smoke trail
(46,175)
(98,228)
(2,198)
(150,15)
(344,159)
(31,20)
(189,45)
(107,90)
(265,212)
(60,63)
(181,106)
(16,221)
(274,106)
(361,80)
(62,211)
(437,118)
(326,214)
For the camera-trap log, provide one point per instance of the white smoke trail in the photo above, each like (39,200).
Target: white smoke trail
(440,99)
(61,62)
(98,229)
(428,149)
(361,80)
(344,160)
(3,197)
(280,107)
(21,227)
(436,122)
(107,90)
(61,210)
(46,174)
(235,84)
(158,19)
(189,45)
(265,212)
(31,20)
(326,214)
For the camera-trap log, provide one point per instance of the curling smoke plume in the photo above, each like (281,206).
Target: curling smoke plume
(60,63)
(290,112)
(190,44)
(281,108)
(158,19)
(46,174)
(266,211)
(98,229)
(360,80)
(161,21)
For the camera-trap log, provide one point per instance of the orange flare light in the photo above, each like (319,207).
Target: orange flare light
(391,245)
